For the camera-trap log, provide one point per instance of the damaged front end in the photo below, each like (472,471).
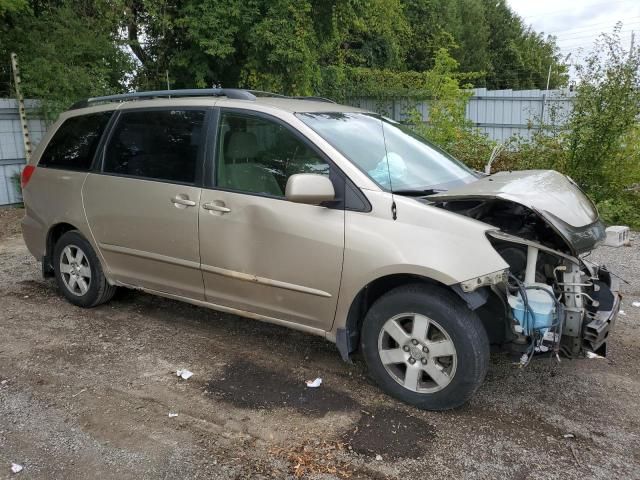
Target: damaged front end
(553,298)
(555,301)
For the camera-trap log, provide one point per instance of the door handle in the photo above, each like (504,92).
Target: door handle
(215,207)
(181,200)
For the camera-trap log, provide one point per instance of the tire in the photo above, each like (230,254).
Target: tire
(80,277)
(438,370)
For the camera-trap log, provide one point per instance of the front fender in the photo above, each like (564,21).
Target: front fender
(424,241)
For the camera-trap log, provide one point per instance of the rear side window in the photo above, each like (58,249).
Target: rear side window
(74,144)
(156,144)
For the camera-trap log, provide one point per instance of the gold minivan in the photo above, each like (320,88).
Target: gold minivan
(324,218)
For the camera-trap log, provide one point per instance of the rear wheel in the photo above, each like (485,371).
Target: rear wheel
(79,273)
(425,347)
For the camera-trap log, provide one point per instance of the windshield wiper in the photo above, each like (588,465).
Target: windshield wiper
(417,192)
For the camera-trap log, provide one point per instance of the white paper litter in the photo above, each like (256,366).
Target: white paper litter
(171,414)
(4,382)
(593,355)
(15,468)
(569,435)
(379,458)
(635,304)
(314,383)
(621,312)
(185,374)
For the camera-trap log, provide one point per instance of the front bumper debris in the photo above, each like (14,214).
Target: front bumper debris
(596,332)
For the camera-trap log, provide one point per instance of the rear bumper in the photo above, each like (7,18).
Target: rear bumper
(34,236)
(596,332)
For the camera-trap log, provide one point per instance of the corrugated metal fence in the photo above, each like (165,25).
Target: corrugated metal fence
(12,148)
(499,114)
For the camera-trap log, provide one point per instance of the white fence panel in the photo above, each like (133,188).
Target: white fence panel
(499,114)
(12,157)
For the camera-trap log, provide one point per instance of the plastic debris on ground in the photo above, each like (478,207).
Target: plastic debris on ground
(569,435)
(184,374)
(593,355)
(621,312)
(635,304)
(15,468)
(379,458)
(171,414)
(314,383)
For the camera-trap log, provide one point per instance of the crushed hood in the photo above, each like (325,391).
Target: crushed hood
(553,196)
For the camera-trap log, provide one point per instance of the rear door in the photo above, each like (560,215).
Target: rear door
(142,206)
(261,253)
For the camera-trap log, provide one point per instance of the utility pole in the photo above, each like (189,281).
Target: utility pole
(21,108)
(549,76)
(544,96)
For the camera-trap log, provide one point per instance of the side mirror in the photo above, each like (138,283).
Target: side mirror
(309,188)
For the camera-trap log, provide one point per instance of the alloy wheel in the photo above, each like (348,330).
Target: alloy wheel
(75,270)
(417,352)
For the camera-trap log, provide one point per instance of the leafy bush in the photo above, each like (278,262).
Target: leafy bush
(15,179)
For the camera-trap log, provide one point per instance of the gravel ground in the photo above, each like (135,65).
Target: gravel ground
(87,394)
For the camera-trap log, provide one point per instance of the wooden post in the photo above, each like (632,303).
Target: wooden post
(21,108)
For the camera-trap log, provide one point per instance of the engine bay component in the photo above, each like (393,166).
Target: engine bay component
(494,278)
(536,312)
(556,302)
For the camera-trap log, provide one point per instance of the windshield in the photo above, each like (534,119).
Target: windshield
(393,156)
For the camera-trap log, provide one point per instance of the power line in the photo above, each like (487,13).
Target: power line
(589,26)
(594,26)
(591,39)
(573,9)
(595,32)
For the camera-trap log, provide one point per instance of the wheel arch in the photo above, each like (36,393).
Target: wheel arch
(53,235)
(348,337)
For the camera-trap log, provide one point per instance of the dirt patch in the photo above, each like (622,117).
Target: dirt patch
(324,458)
(10,221)
(391,433)
(247,385)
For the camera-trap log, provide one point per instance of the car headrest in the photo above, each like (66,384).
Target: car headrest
(241,145)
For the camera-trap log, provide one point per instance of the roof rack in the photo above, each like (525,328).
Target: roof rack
(315,99)
(234,93)
(260,93)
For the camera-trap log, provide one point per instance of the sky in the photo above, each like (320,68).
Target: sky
(577,23)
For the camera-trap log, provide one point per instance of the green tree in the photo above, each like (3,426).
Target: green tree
(278,45)
(13,6)
(520,58)
(604,120)
(473,37)
(66,53)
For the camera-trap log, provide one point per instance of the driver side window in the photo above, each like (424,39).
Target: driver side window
(257,155)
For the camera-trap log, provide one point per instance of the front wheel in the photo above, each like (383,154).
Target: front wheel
(423,345)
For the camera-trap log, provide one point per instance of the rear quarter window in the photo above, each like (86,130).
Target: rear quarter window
(74,144)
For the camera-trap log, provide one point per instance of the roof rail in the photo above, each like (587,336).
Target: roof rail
(260,93)
(315,99)
(235,93)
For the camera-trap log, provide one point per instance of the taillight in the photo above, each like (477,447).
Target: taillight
(26,175)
